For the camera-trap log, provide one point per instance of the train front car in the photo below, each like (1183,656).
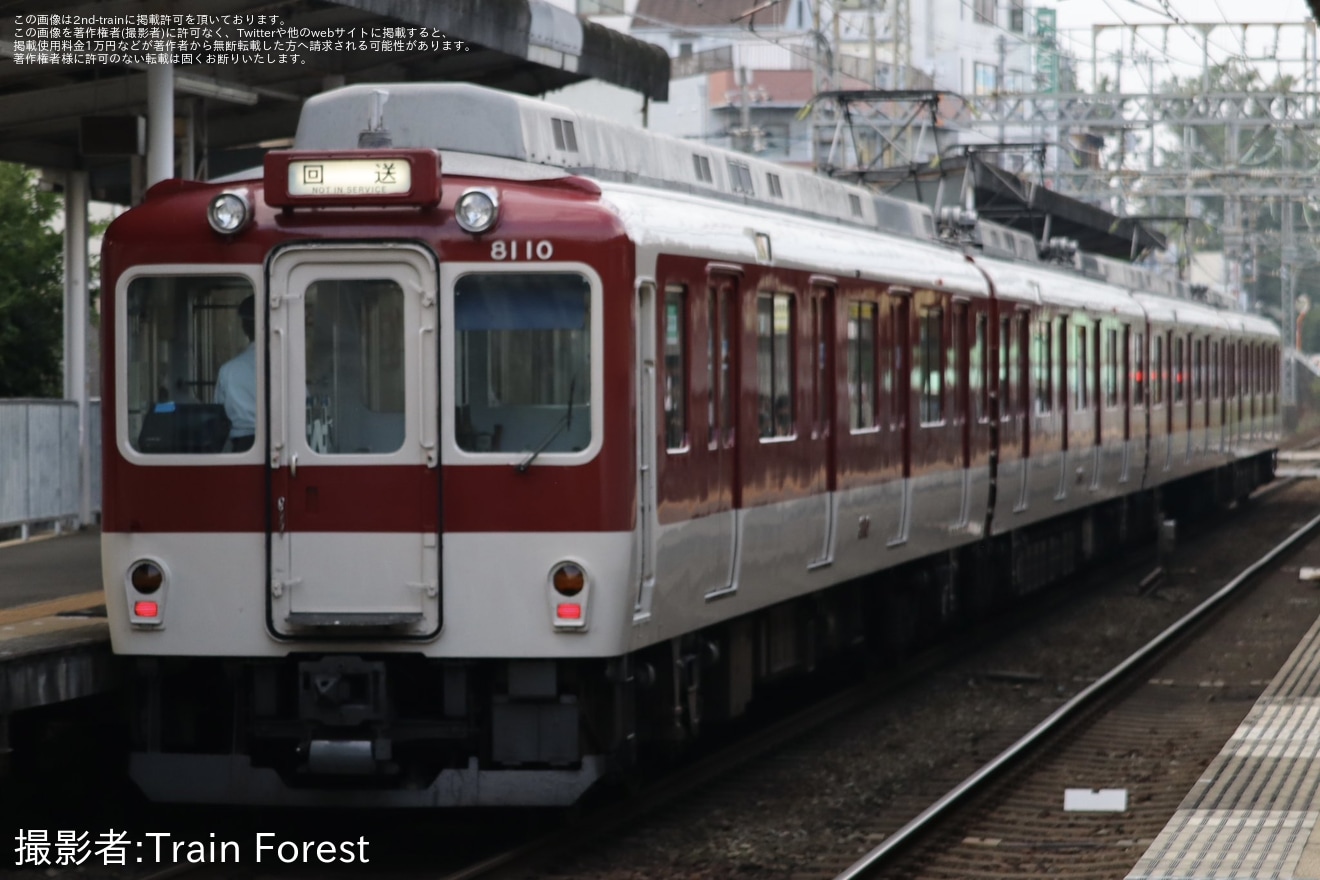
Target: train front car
(369,475)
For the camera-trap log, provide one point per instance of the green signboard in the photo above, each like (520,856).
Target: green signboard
(1047,55)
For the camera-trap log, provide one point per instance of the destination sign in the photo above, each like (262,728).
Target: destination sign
(350,177)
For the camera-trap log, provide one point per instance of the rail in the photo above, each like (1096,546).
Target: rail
(40,472)
(871,863)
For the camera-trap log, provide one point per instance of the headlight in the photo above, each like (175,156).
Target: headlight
(569,579)
(146,577)
(477,209)
(228,212)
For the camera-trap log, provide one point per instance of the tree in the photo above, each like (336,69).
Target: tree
(31,288)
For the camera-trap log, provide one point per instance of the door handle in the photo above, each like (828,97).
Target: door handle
(425,416)
(293,465)
(278,393)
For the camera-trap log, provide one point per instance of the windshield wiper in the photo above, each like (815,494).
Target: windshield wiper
(565,422)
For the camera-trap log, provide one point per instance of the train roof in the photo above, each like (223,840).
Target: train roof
(682,223)
(488,133)
(471,119)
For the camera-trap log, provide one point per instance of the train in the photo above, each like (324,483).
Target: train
(473,450)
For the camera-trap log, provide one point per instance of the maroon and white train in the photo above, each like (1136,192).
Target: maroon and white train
(569,438)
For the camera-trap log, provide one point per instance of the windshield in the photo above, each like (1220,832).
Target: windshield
(191,364)
(522,362)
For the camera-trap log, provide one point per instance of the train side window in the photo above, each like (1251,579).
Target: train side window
(1242,390)
(1244,373)
(1111,367)
(1126,370)
(1198,385)
(820,379)
(1179,369)
(676,367)
(1022,370)
(523,340)
(1241,377)
(1082,375)
(1233,384)
(898,379)
(712,331)
(981,368)
(1062,384)
(1214,369)
(1139,373)
(727,329)
(1157,370)
(861,366)
(930,365)
(774,364)
(1007,383)
(1042,349)
(181,330)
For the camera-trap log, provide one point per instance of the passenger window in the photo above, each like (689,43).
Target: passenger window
(182,332)
(712,332)
(676,367)
(821,387)
(1214,370)
(1111,367)
(1139,373)
(930,365)
(1198,383)
(1041,358)
(774,364)
(1179,370)
(354,366)
(1063,369)
(1157,370)
(1007,383)
(981,368)
(523,362)
(1021,370)
(861,366)
(1082,375)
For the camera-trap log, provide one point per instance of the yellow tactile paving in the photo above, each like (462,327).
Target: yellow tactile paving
(51,607)
(43,626)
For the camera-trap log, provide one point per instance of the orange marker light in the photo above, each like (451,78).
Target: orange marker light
(146,577)
(145,609)
(566,611)
(569,579)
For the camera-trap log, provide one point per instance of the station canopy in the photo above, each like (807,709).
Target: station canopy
(66,116)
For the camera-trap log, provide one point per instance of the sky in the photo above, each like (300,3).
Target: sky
(1167,41)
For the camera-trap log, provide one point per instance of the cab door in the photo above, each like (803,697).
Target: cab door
(354,489)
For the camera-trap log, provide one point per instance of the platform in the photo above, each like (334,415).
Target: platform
(54,641)
(1254,811)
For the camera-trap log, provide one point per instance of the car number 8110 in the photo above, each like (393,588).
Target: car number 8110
(521,250)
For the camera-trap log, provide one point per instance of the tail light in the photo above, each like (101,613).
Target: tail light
(146,583)
(569,590)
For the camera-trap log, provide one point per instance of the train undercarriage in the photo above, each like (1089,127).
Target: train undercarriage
(405,730)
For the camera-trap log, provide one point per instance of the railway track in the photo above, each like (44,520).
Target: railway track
(1146,729)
